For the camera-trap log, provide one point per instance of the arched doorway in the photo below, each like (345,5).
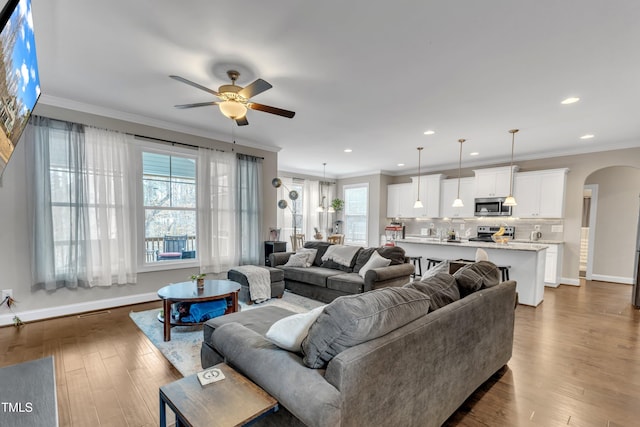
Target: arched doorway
(610,217)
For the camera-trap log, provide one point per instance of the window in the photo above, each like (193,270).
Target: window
(169,203)
(356,207)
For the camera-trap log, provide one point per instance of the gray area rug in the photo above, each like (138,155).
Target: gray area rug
(183,351)
(28,394)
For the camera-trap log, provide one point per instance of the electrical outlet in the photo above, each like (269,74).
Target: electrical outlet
(556,228)
(7,293)
(536,227)
(424,231)
(462,226)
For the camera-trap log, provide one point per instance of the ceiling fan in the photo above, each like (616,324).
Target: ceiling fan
(234,99)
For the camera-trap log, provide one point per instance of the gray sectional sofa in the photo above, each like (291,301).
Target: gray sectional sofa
(326,280)
(413,373)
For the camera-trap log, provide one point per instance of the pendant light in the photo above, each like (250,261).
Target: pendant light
(320,207)
(511,201)
(457,203)
(418,203)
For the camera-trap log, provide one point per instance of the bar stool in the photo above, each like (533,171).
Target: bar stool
(431,262)
(417,262)
(504,269)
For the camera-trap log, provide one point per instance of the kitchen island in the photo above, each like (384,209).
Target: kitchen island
(526,260)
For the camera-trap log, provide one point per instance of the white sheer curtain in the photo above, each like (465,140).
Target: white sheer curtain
(110,208)
(217,228)
(79,204)
(311,217)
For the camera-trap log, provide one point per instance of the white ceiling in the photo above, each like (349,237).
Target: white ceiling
(367,75)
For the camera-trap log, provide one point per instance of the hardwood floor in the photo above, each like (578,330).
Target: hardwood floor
(576,362)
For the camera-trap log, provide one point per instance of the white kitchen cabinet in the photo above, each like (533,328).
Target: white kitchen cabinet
(540,194)
(553,265)
(493,182)
(400,201)
(429,195)
(449,192)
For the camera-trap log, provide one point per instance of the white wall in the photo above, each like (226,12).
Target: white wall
(14,233)
(614,243)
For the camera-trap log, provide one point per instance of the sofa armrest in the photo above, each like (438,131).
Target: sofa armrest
(303,391)
(279,258)
(392,275)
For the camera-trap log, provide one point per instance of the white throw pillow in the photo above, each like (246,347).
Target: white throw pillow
(288,333)
(481,255)
(375,261)
(298,260)
(310,253)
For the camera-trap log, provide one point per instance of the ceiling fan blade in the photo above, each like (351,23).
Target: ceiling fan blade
(194,84)
(272,110)
(255,88)
(243,121)
(197,104)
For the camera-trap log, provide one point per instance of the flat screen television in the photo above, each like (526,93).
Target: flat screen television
(19,80)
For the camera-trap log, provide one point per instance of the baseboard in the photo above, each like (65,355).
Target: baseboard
(65,310)
(570,282)
(614,279)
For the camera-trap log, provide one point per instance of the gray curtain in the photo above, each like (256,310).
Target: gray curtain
(249,208)
(56,185)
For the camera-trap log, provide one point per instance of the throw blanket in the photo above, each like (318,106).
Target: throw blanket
(259,281)
(340,254)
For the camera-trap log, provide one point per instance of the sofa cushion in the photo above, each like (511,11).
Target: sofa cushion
(362,258)
(394,253)
(312,275)
(350,283)
(375,261)
(472,277)
(331,263)
(354,319)
(288,333)
(441,288)
(321,247)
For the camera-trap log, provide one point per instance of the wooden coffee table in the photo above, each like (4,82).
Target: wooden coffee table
(233,401)
(189,292)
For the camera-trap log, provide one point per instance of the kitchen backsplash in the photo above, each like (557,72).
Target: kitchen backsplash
(551,229)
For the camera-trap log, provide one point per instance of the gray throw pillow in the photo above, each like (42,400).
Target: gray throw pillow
(473,277)
(441,288)
(362,258)
(321,247)
(354,319)
(394,253)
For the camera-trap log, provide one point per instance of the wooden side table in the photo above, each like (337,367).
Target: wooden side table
(233,401)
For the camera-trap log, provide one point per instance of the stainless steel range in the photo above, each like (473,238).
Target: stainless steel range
(486,231)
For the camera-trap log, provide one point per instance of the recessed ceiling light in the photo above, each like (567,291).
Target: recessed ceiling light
(348,150)
(587,136)
(400,164)
(475,153)
(570,100)
(429,132)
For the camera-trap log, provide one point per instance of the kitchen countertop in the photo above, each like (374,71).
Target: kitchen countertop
(514,245)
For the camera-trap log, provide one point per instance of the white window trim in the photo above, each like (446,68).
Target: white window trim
(154,147)
(360,185)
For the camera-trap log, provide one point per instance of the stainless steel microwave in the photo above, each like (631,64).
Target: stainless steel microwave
(491,206)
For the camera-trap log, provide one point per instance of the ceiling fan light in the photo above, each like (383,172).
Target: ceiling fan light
(233,109)
(457,203)
(510,201)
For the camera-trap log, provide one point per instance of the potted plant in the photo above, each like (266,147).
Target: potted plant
(337,204)
(199,278)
